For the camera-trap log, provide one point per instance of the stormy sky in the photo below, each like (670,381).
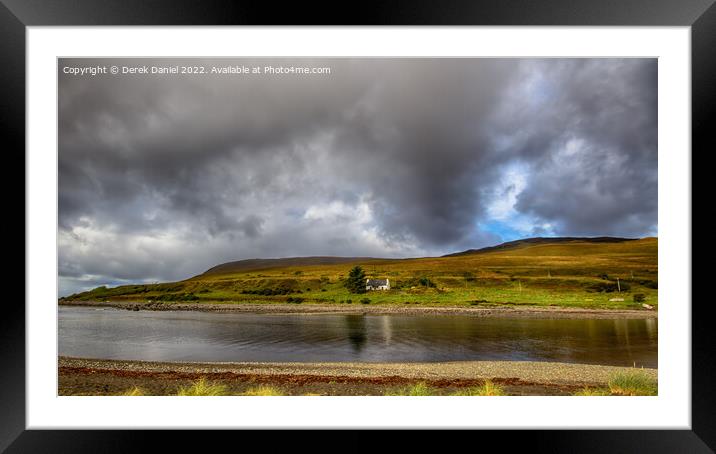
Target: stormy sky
(163,176)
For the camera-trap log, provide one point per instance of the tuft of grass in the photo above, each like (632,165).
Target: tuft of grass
(136,391)
(487,389)
(202,387)
(263,390)
(418,389)
(632,383)
(587,391)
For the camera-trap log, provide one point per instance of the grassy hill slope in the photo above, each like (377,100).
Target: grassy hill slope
(559,272)
(517,244)
(267,264)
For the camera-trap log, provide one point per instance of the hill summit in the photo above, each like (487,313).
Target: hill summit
(542,240)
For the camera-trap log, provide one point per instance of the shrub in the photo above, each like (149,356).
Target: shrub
(268,291)
(365,301)
(294,300)
(176,297)
(608,287)
(632,383)
(202,387)
(639,298)
(425,282)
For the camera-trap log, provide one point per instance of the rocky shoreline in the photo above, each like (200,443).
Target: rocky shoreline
(100,376)
(515,311)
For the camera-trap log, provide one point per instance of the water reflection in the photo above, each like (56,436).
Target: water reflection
(356,331)
(197,336)
(387,330)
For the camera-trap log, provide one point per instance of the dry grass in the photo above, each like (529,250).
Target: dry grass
(418,389)
(263,390)
(487,389)
(135,391)
(587,391)
(202,387)
(633,383)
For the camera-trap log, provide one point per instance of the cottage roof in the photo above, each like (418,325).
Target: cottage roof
(374,282)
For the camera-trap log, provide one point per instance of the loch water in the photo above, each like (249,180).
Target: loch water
(208,336)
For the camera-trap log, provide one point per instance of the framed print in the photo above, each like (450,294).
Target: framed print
(482,221)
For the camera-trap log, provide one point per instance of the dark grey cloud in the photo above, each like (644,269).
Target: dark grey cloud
(161,177)
(592,146)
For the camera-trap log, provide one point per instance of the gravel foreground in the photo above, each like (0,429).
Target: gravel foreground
(307,308)
(532,371)
(99,376)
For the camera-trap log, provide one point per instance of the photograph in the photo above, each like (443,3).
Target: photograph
(467,216)
(357,226)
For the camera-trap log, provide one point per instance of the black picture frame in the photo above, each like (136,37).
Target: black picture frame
(16,15)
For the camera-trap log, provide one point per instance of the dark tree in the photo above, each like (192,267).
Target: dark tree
(355,283)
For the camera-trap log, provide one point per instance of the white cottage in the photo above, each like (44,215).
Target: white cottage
(377,284)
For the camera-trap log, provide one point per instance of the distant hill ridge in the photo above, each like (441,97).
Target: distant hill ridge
(264,264)
(542,240)
(260,264)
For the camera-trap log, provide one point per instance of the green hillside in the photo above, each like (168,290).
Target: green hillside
(576,272)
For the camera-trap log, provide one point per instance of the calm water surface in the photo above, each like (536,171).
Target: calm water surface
(206,336)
